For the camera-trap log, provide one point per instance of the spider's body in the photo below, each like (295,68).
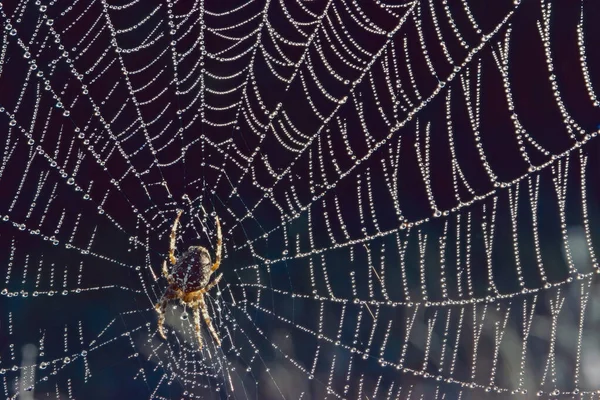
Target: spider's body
(189,280)
(193,270)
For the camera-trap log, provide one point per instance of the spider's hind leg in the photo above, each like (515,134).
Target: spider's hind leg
(208,321)
(197,324)
(161,309)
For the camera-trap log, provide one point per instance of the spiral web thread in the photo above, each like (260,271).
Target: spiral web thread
(406,191)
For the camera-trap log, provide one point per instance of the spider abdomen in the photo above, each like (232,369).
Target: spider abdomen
(193,269)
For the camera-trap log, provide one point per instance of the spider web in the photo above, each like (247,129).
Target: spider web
(407,192)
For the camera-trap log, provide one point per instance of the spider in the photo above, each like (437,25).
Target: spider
(189,280)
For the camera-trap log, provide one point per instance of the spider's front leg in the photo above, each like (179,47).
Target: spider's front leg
(212,284)
(172,257)
(217,263)
(165,272)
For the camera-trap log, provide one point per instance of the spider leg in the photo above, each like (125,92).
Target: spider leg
(173,238)
(208,321)
(161,309)
(196,309)
(165,272)
(212,284)
(215,266)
